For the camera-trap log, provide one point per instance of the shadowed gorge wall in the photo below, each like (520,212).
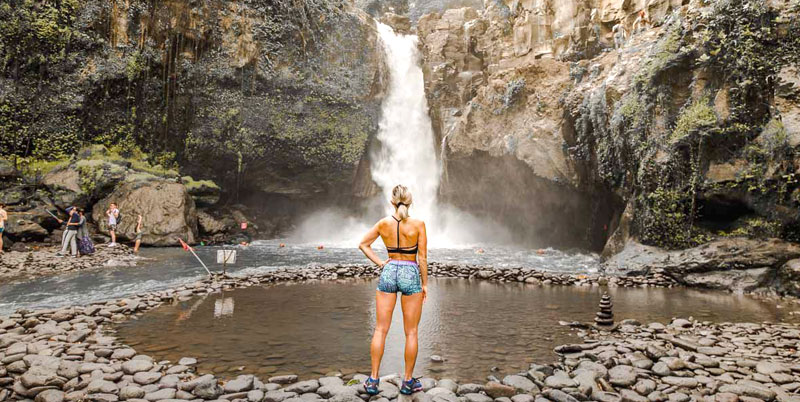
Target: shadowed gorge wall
(267,97)
(686,133)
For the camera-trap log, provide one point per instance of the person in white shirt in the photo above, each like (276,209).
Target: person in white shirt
(113,215)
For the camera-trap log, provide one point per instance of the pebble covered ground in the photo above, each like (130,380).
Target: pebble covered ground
(43,261)
(69,354)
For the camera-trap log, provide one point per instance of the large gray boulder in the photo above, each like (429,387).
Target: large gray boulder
(737,264)
(167,209)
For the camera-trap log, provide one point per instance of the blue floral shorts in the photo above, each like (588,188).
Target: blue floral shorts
(400,276)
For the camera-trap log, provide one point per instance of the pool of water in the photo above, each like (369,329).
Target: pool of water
(314,328)
(162,268)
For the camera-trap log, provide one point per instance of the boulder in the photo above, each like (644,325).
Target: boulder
(167,209)
(13,195)
(7,170)
(20,228)
(209,225)
(731,263)
(788,279)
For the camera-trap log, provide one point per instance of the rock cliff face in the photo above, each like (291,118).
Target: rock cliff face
(684,134)
(272,99)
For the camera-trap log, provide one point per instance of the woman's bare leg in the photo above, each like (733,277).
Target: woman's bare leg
(412,311)
(384,307)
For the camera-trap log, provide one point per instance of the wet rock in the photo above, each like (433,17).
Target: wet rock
(559,379)
(303,387)
(338,398)
(767,367)
(166,393)
(50,395)
(208,390)
(146,377)
(192,384)
(469,389)
(473,397)
(123,354)
(726,397)
(497,390)
(427,383)
(131,392)
(684,382)
(628,395)
(101,386)
(448,383)
(177,369)
(520,384)
(622,375)
(134,366)
(187,361)
(559,396)
(330,381)
(283,379)
(439,391)
(281,395)
(645,386)
(255,395)
(102,397)
(242,383)
(745,390)
(603,396)
(38,376)
(522,398)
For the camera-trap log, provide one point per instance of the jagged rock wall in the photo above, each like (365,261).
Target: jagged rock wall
(274,100)
(685,129)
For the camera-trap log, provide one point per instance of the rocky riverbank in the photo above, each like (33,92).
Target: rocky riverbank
(67,354)
(43,261)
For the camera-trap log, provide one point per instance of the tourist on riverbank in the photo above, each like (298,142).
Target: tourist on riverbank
(138,240)
(406,271)
(3,219)
(70,237)
(113,219)
(85,245)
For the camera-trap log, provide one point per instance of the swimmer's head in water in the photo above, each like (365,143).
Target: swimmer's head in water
(401,199)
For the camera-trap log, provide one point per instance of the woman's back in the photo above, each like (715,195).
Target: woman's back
(401,237)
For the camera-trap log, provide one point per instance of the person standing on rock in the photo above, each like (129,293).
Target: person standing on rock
(406,271)
(113,215)
(3,219)
(70,238)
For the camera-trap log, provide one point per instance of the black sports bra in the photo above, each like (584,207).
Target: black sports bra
(398,249)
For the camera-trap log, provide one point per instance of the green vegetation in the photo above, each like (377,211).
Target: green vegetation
(657,140)
(694,117)
(195,185)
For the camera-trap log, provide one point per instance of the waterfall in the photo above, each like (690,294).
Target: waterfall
(406,154)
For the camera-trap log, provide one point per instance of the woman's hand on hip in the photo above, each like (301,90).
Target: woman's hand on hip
(383,264)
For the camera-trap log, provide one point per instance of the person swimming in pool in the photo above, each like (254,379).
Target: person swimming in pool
(406,271)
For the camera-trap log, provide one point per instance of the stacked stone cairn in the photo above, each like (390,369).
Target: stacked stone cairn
(605,317)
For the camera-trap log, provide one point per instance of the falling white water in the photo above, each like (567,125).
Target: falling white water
(406,154)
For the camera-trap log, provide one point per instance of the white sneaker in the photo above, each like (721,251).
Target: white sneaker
(112,244)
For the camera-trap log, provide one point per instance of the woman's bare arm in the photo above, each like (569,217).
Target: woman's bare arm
(366,243)
(422,258)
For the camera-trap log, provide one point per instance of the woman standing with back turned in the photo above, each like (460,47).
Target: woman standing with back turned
(406,271)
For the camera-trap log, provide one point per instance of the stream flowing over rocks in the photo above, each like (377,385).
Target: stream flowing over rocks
(68,354)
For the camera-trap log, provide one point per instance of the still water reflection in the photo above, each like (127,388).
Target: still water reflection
(315,328)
